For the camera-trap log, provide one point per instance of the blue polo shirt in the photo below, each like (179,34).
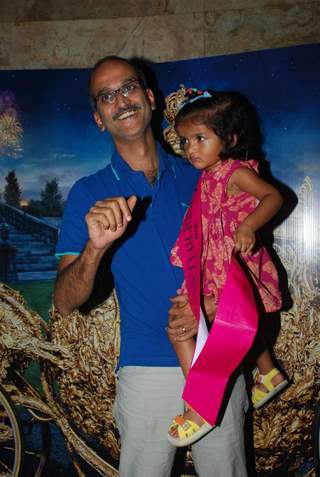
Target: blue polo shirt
(143,276)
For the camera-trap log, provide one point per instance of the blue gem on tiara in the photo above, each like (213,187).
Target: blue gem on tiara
(205,94)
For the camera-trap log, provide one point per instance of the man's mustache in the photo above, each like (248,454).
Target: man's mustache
(128,109)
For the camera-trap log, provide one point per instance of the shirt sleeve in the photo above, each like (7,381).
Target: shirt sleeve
(73,234)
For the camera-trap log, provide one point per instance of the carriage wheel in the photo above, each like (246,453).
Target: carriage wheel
(11,437)
(316,441)
(36,442)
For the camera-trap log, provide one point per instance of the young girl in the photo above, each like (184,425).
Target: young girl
(220,136)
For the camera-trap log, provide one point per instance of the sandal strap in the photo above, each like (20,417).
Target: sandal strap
(255,374)
(258,395)
(265,379)
(187,429)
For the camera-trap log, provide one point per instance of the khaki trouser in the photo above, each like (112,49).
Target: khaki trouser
(147,400)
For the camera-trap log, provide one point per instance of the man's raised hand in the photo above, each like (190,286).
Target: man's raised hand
(107,220)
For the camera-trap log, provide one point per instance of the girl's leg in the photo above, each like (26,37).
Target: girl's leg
(265,365)
(269,380)
(184,351)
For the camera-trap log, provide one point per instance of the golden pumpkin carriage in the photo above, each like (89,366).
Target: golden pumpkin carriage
(80,353)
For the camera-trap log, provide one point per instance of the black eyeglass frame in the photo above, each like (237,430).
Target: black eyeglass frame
(115,92)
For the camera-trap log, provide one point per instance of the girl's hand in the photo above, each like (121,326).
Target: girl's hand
(244,239)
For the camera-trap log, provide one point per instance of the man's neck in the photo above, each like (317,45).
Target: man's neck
(140,155)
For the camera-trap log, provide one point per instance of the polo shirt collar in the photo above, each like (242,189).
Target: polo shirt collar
(121,169)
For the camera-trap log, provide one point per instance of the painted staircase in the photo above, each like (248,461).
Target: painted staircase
(35,259)
(34,242)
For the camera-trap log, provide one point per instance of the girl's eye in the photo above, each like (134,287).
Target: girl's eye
(183,142)
(200,138)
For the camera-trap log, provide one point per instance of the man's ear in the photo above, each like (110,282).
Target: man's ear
(151,98)
(98,121)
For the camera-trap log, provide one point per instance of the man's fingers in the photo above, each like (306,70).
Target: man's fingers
(121,210)
(181,321)
(97,220)
(131,203)
(126,207)
(117,211)
(186,336)
(182,330)
(110,211)
(180,299)
(182,333)
(175,314)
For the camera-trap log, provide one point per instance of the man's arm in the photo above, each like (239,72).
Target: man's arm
(75,280)
(106,221)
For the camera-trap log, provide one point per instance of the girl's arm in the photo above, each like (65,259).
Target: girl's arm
(270,201)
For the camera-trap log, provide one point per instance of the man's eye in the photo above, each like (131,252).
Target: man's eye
(183,142)
(127,89)
(200,138)
(106,98)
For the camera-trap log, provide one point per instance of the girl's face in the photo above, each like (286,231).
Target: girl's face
(201,145)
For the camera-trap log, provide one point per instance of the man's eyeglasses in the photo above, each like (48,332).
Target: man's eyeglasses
(125,90)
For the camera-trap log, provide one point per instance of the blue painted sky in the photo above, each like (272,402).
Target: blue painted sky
(283,84)
(61,140)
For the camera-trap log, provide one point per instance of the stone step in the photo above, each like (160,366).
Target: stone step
(48,263)
(37,275)
(32,267)
(41,265)
(21,240)
(35,260)
(30,257)
(20,252)
(24,242)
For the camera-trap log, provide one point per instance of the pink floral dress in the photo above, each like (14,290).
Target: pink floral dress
(221,214)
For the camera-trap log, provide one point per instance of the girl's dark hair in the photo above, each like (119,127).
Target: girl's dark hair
(228,113)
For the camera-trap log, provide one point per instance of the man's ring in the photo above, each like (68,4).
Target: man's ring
(183,330)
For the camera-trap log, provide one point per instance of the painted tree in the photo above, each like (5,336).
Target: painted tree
(12,190)
(51,199)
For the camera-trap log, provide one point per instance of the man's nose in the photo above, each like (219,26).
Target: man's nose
(121,100)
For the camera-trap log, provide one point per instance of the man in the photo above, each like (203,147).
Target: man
(132,211)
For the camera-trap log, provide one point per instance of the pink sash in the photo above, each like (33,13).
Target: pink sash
(234,327)
(190,246)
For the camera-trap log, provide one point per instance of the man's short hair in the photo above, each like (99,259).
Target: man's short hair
(106,59)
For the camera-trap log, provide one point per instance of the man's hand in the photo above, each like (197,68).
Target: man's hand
(182,323)
(107,220)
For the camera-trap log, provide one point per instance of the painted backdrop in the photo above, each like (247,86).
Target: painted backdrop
(48,140)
